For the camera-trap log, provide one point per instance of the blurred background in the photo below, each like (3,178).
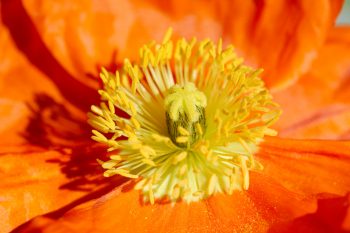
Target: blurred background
(344,17)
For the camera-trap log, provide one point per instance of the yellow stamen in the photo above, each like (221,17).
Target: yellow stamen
(182,139)
(178,158)
(183,131)
(196,115)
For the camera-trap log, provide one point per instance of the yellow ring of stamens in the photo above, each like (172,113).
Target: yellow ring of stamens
(188,161)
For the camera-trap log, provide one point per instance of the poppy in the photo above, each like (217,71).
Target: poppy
(49,161)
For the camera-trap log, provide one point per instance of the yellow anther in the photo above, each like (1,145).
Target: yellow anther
(220,46)
(111,107)
(182,139)
(109,164)
(99,136)
(124,99)
(245,172)
(113,144)
(128,175)
(96,110)
(119,171)
(117,78)
(147,151)
(108,119)
(134,84)
(183,131)
(100,126)
(105,95)
(199,129)
(116,157)
(141,184)
(159,138)
(181,156)
(270,132)
(104,75)
(183,169)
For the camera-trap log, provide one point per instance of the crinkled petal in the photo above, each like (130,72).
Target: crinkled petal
(321,103)
(37,181)
(36,67)
(122,211)
(277,197)
(85,35)
(307,166)
(283,37)
(20,82)
(330,216)
(30,184)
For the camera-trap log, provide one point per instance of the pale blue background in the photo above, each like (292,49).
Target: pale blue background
(344,17)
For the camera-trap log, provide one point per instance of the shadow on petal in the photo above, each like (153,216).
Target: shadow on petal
(53,126)
(61,211)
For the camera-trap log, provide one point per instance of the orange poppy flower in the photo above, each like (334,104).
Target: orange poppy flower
(51,54)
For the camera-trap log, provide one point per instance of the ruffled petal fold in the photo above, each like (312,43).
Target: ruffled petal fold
(282,37)
(307,166)
(51,53)
(294,185)
(321,103)
(30,184)
(36,68)
(122,211)
(20,83)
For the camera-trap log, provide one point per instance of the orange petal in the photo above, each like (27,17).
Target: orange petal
(280,37)
(30,184)
(22,33)
(295,176)
(122,211)
(308,167)
(32,107)
(284,36)
(321,101)
(20,82)
(103,33)
(36,181)
(330,216)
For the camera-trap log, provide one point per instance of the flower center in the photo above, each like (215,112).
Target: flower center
(196,117)
(185,114)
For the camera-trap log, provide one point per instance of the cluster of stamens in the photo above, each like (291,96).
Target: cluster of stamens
(195,117)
